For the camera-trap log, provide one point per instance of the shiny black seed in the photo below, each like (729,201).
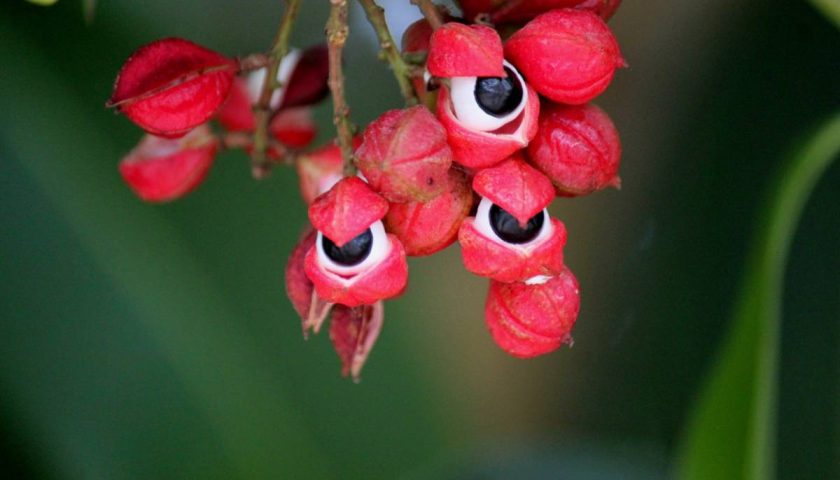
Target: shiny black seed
(508,229)
(498,96)
(351,253)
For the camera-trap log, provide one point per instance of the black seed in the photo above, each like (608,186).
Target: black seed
(498,96)
(351,253)
(508,229)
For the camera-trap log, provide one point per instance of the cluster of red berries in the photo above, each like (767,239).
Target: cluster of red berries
(512,129)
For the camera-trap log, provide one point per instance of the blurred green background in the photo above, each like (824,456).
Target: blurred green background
(143,341)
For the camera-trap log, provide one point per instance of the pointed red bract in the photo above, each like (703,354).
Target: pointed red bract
(353,332)
(347,210)
(530,320)
(517,187)
(404,155)
(161,169)
(170,86)
(458,50)
(578,148)
(569,56)
(428,227)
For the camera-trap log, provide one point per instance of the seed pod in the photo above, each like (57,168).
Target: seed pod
(171,86)
(162,169)
(578,148)
(404,155)
(569,56)
(425,228)
(354,262)
(353,332)
(299,288)
(458,50)
(527,320)
(484,135)
(512,238)
(294,127)
(320,169)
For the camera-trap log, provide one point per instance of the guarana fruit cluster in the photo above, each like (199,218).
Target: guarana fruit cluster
(504,126)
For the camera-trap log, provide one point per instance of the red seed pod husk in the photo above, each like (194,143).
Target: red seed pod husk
(524,10)
(236,113)
(171,86)
(353,332)
(347,210)
(162,169)
(458,50)
(416,39)
(404,155)
(476,149)
(486,256)
(515,186)
(531,320)
(578,148)
(320,169)
(425,228)
(308,82)
(384,280)
(298,286)
(569,56)
(294,127)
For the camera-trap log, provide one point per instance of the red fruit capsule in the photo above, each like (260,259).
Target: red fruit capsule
(170,86)
(404,155)
(569,56)
(474,142)
(458,50)
(533,318)
(354,262)
(294,127)
(578,148)
(353,332)
(162,169)
(428,227)
(512,238)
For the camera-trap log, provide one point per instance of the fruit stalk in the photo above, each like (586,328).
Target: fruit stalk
(262,110)
(337,31)
(376,17)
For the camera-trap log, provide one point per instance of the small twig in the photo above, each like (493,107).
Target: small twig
(260,165)
(376,18)
(244,141)
(337,31)
(430,11)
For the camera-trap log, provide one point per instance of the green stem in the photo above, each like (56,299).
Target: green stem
(262,110)
(376,18)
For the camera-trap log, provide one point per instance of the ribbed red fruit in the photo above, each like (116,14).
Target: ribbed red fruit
(404,155)
(578,148)
(527,320)
(569,56)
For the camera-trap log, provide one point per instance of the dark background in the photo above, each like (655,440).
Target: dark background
(141,341)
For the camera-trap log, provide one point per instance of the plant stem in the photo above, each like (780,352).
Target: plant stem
(376,18)
(337,31)
(262,110)
(430,11)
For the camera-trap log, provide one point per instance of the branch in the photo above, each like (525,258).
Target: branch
(430,11)
(337,31)
(262,110)
(376,18)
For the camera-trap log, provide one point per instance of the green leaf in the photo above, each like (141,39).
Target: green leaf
(731,433)
(830,9)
